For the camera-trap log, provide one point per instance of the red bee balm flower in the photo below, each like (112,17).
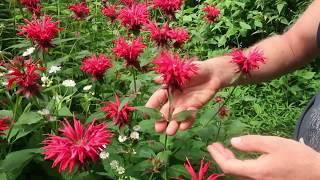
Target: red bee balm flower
(129,52)
(110,12)
(202,171)
(80,10)
(120,116)
(248,62)
(40,31)
(211,13)
(169,7)
(26,78)
(3,125)
(134,16)
(76,145)
(32,5)
(223,111)
(180,36)
(174,71)
(96,66)
(160,35)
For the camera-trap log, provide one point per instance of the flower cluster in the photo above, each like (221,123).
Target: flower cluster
(96,66)
(129,51)
(33,6)
(134,17)
(163,35)
(249,61)
(40,31)
(174,70)
(4,125)
(119,115)
(212,13)
(111,12)
(77,144)
(80,10)
(202,171)
(169,7)
(26,78)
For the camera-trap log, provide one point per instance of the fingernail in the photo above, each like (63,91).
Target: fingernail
(236,141)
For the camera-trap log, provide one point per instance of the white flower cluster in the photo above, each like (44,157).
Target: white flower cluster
(69,83)
(46,81)
(115,165)
(54,69)
(28,52)
(104,155)
(133,135)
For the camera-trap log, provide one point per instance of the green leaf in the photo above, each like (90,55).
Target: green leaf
(97,115)
(65,112)
(147,126)
(245,25)
(280,7)
(164,156)
(258,23)
(177,171)
(125,101)
(6,113)
(29,118)
(222,41)
(152,113)
(184,115)
(15,161)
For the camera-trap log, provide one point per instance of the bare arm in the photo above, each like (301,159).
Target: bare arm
(288,51)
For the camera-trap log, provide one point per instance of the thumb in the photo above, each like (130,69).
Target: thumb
(256,143)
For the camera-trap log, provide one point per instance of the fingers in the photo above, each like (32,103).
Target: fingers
(158,80)
(255,143)
(229,164)
(158,98)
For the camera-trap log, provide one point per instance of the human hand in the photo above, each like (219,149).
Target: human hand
(281,159)
(212,75)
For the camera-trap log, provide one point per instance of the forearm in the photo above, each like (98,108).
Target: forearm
(289,51)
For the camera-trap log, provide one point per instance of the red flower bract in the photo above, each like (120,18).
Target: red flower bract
(202,171)
(180,36)
(211,13)
(32,5)
(129,52)
(80,10)
(26,78)
(169,7)
(4,125)
(96,66)
(40,31)
(76,145)
(174,71)
(120,117)
(134,16)
(110,12)
(161,35)
(248,62)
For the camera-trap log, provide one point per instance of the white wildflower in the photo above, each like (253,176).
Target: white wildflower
(120,170)
(5,83)
(44,112)
(54,69)
(134,151)
(52,118)
(136,128)
(104,155)
(44,79)
(28,52)
(87,88)
(134,135)
(114,164)
(122,138)
(69,83)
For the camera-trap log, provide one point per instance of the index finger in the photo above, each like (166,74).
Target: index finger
(233,166)
(159,97)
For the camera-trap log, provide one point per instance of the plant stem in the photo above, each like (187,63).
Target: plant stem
(134,75)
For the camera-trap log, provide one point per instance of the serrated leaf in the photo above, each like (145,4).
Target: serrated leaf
(177,171)
(245,25)
(164,156)
(6,113)
(64,111)
(152,113)
(97,115)
(29,118)
(184,115)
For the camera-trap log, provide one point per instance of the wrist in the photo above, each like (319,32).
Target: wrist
(226,72)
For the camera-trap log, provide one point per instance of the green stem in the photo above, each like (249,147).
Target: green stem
(134,75)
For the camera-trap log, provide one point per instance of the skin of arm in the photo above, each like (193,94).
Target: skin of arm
(288,51)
